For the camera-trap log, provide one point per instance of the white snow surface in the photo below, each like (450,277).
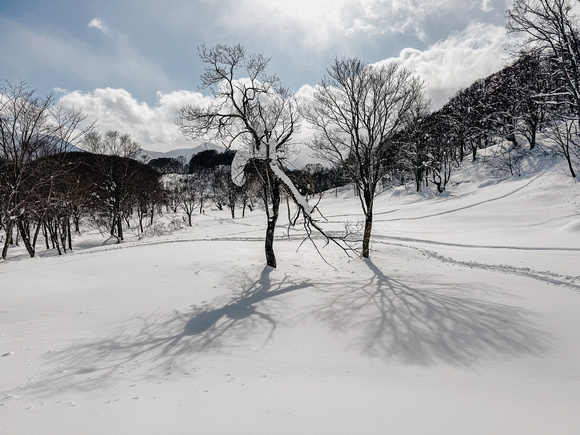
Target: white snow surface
(298,197)
(239,163)
(466,320)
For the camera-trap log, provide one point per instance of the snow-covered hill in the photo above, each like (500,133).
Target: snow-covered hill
(465,321)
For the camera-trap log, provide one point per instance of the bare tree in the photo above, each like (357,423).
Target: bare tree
(113,151)
(253,112)
(566,134)
(225,190)
(172,187)
(112,143)
(358,109)
(34,131)
(191,192)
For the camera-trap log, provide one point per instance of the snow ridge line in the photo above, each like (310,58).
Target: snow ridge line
(414,218)
(460,245)
(569,281)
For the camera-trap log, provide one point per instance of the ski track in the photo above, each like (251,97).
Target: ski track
(548,277)
(437,202)
(539,275)
(460,208)
(461,245)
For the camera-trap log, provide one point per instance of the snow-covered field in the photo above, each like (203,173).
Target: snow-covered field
(465,321)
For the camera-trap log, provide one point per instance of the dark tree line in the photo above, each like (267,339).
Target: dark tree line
(105,190)
(210,159)
(167,165)
(45,190)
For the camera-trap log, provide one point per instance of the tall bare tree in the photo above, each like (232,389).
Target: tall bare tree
(358,109)
(251,111)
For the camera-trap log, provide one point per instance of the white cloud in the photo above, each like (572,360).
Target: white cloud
(332,23)
(153,127)
(446,66)
(451,64)
(97,23)
(457,61)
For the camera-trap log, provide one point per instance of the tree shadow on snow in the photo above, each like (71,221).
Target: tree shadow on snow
(417,322)
(165,343)
(208,324)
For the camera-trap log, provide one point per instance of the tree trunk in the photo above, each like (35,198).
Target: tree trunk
(69,234)
(418,179)
(568,159)
(36,233)
(533,129)
(367,235)
(271,227)
(25,234)
(62,228)
(120,228)
(269,246)
(53,229)
(8,241)
(45,234)
(369,202)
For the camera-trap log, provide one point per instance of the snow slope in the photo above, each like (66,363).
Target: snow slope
(465,320)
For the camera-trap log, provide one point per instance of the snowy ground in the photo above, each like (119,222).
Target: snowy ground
(465,321)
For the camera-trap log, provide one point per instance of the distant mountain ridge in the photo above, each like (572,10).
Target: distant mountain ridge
(70,148)
(187,153)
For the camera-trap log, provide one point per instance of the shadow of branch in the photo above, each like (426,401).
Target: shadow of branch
(165,343)
(424,323)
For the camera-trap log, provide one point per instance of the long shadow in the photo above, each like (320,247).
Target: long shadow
(167,342)
(208,324)
(425,323)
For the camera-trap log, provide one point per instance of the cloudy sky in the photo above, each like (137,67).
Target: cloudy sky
(131,63)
